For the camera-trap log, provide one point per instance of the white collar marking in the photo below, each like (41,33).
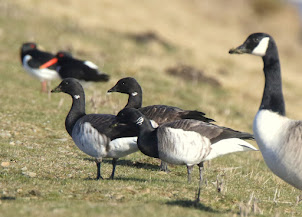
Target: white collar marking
(134,93)
(77,96)
(139,121)
(261,48)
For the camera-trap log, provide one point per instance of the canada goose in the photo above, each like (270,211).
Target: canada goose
(278,137)
(32,58)
(92,133)
(189,142)
(159,114)
(70,67)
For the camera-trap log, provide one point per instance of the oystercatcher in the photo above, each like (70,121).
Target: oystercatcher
(70,67)
(32,59)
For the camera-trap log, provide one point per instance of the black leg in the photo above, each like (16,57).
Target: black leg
(200,182)
(114,161)
(189,169)
(98,165)
(164,166)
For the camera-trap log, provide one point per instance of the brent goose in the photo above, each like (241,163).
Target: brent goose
(279,138)
(32,58)
(159,114)
(70,67)
(92,132)
(186,141)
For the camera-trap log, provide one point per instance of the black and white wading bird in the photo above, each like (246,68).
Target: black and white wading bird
(92,132)
(70,67)
(159,114)
(278,137)
(32,59)
(188,142)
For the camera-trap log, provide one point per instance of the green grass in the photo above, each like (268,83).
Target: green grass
(33,137)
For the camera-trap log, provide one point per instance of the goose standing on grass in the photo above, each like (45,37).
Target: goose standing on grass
(279,138)
(189,142)
(92,133)
(32,59)
(159,114)
(69,67)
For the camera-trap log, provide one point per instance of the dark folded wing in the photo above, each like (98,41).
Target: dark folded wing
(211,131)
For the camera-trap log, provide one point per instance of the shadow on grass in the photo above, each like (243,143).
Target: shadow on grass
(192,204)
(129,163)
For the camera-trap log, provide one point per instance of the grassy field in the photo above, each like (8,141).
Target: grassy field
(42,172)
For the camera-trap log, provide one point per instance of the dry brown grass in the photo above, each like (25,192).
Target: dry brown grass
(200,34)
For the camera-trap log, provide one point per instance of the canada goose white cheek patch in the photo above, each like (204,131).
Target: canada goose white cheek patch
(261,48)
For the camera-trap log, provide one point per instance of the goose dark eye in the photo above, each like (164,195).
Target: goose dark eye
(123,83)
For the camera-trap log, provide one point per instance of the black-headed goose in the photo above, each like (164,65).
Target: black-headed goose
(189,142)
(279,138)
(92,133)
(159,114)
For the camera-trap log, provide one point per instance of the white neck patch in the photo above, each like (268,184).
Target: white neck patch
(77,96)
(134,93)
(139,121)
(261,48)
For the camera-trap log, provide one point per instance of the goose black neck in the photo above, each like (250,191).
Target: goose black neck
(77,111)
(135,99)
(147,140)
(272,95)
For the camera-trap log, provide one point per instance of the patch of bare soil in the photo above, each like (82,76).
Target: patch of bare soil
(189,73)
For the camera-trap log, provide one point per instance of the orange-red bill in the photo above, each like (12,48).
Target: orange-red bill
(49,63)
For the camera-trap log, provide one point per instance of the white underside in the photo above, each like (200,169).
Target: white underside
(177,146)
(281,153)
(91,142)
(42,74)
(227,146)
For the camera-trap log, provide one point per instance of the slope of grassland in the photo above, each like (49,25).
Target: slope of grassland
(44,174)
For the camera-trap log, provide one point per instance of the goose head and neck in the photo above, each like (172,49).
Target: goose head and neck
(72,87)
(262,44)
(147,138)
(131,87)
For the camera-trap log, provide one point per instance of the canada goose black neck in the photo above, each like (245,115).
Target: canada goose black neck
(262,44)
(272,95)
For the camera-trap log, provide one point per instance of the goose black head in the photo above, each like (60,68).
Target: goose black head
(256,44)
(70,86)
(126,85)
(130,116)
(28,46)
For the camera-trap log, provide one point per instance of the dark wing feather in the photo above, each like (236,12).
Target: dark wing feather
(39,58)
(103,122)
(162,114)
(213,132)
